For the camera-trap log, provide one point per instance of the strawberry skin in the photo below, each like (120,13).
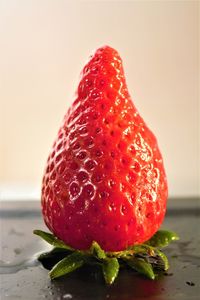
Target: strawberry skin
(104,179)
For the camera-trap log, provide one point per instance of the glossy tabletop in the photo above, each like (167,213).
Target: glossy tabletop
(22,277)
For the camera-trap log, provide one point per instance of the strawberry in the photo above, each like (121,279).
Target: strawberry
(104,180)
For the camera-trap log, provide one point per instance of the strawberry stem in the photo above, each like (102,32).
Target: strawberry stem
(146,259)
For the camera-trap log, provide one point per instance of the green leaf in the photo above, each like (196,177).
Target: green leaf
(120,254)
(50,258)
(141,266)
(110,269)
(151,253)
(132,250)
(52,253)
(97,251)
(51,239)
(162,238)
(143,249)
(164,259)
(67,265)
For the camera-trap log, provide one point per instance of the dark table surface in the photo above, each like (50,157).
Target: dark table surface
(22,277)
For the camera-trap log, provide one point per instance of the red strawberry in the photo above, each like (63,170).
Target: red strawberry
(105,179)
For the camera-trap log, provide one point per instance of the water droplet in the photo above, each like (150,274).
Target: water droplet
(25,259)
(17,251)
(67,296)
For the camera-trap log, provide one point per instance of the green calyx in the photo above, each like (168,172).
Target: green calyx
(147,259)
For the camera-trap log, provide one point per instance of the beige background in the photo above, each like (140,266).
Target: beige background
(43,46)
